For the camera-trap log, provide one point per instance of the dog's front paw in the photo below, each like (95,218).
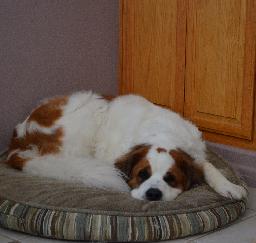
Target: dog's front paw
(232,191)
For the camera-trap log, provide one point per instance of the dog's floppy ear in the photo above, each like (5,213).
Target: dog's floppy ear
(193,173)
(126,162)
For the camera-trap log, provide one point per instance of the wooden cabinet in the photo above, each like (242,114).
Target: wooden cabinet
(220,52)
(196,57)
(153,50)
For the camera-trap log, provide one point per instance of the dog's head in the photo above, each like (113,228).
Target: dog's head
(153,173)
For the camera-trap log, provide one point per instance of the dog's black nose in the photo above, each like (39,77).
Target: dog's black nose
(153,194)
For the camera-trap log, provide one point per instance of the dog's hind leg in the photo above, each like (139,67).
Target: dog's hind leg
(87,170)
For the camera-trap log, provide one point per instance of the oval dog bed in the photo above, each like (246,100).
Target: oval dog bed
(70,211)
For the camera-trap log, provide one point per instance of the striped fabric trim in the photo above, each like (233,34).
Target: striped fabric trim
(91,227)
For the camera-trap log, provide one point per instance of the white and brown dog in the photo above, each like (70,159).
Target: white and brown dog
(124,143)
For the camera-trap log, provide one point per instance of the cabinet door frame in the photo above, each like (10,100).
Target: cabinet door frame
(126,74)
(241,127)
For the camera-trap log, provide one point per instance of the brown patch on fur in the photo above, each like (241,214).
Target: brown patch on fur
(135,180)
(108,97)
(50,111)
(16,162)
(128,161)
(185,171)
(161,150)
(45,143)
(45,115)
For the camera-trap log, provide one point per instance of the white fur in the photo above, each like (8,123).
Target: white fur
(90,171)
(21,129)
(220,184)
(33,126)
(97,132)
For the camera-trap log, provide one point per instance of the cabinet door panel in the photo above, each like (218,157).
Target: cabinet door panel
(153,50)
(220,55)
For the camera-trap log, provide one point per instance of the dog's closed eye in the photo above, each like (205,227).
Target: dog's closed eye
(170,179)
(143,175)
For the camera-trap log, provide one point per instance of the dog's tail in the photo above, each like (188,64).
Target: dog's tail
(90,171)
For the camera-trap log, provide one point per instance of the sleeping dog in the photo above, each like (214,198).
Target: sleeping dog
(123,144)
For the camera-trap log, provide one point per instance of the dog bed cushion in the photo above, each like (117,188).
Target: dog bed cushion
(57,209)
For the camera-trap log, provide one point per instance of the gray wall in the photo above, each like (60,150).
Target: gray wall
(50,47)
